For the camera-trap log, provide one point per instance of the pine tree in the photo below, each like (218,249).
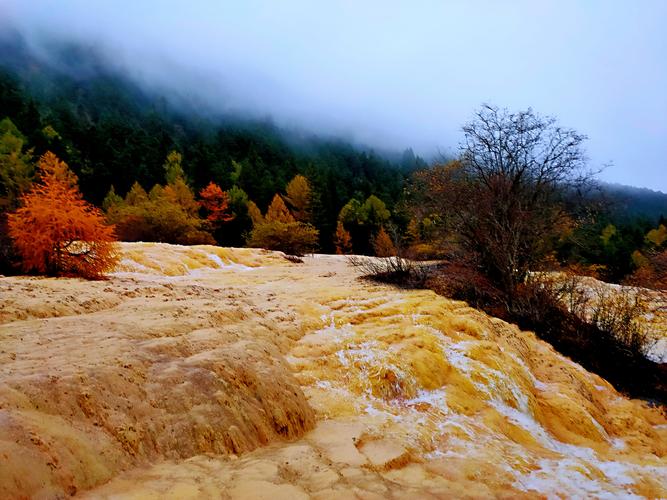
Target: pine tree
(363,220)
(236,230)
(111,200)
(16,172)
(16,168)
(173,169)
(57,232)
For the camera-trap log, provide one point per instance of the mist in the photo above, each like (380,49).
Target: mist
(393,74)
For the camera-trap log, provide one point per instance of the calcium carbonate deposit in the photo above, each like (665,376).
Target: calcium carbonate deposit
(203,372)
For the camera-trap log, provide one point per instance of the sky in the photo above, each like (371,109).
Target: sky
(397,74)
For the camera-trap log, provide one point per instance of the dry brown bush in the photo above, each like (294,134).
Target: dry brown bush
(619,310)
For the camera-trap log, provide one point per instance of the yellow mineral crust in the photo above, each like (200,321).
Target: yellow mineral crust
(202,372)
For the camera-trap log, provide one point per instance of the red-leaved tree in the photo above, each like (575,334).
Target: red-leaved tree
(216,203)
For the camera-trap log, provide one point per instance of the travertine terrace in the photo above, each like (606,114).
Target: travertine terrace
(202,372)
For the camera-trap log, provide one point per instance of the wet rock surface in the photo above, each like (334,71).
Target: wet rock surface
(198,372)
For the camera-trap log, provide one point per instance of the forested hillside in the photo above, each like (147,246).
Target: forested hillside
(122,141)
(112,132)
(632,202)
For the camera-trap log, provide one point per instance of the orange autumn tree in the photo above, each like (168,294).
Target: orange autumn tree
(382,244)
(299,197)
(216,204)
(278,211)
(342,240)
(255,213)
(56,231)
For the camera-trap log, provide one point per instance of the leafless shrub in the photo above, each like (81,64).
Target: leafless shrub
(623,314)
(396,269)
(602,327)
(620,311)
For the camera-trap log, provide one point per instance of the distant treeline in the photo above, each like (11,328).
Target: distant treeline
(111,132)
(114,134)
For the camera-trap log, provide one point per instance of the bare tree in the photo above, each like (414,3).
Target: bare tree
(505,198)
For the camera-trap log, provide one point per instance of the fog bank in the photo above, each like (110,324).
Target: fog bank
(395,74)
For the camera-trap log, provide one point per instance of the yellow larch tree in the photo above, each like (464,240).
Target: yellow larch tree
(55,231)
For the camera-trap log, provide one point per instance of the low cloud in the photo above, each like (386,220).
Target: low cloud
(394,74)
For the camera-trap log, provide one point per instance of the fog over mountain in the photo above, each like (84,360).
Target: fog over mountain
(393,74)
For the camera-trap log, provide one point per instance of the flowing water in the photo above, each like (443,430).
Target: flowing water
(280,380)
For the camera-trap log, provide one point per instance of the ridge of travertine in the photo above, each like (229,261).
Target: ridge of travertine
(233,373)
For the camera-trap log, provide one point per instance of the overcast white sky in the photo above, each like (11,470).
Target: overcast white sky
(399,73)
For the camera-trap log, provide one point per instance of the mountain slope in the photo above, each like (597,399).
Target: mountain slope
(631,202)
(113,131)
